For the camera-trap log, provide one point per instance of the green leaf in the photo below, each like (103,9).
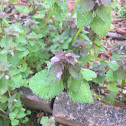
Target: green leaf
(121,74)
(84,19)
(47,3)
(88,74)
(21,39)
(58,12)
(99,80)
(83,95)
(34,48)
(41,15)
(16,81)
(21,115)
(104,12)
(44,89)
(113,87)
(22,54)
(24,9)
(111,76)
(3,106)
(3,86)
(86,5)
(111,97)
(1,74)
(3,98)
(74,84)
(13,71)
(62,4)
(14,60)
(45,121)
(113,65)
(14,122)
(100,27)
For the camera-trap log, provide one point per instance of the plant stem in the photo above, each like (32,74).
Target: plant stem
(2,4)
(4,116)
(77,34)
(123,84)
(53,21)
(106,101)
(74,8)
(9,93)
(47,20)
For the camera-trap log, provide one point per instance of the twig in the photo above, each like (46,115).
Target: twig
(4,116)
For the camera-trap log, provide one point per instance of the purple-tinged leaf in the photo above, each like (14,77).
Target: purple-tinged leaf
(86,5)
(74,71)
(106,2)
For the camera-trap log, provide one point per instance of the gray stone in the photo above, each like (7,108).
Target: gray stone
(33,101)
(72,113)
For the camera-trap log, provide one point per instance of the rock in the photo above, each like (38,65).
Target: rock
(33,101)
(72,113)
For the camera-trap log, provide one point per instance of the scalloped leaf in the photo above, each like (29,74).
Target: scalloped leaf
(24,9)
(111,76)
(44,89)
(84,19)
(88,74)
(111,97)
(121,74)
(74,70)
(58,12)
(86,5)
(104,12)
(74,84)
(83,95)
(16,81)
(113,87)
(100,27)
(113,65)
(3,85)
(106,2)
(62,4)
(99,79)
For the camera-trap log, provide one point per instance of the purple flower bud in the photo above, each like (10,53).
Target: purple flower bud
(59,75)
(12,53)
(115,49)
(83,30)
(69,54)
(7,77)
(97,1)
(121,47)
(36,39)
(7,69)
(54,59)
(15,100)
(88,26)
(99,4)
(53,118)
(96,72)
(91,67)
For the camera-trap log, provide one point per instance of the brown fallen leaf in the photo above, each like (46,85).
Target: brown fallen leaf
(120,30)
